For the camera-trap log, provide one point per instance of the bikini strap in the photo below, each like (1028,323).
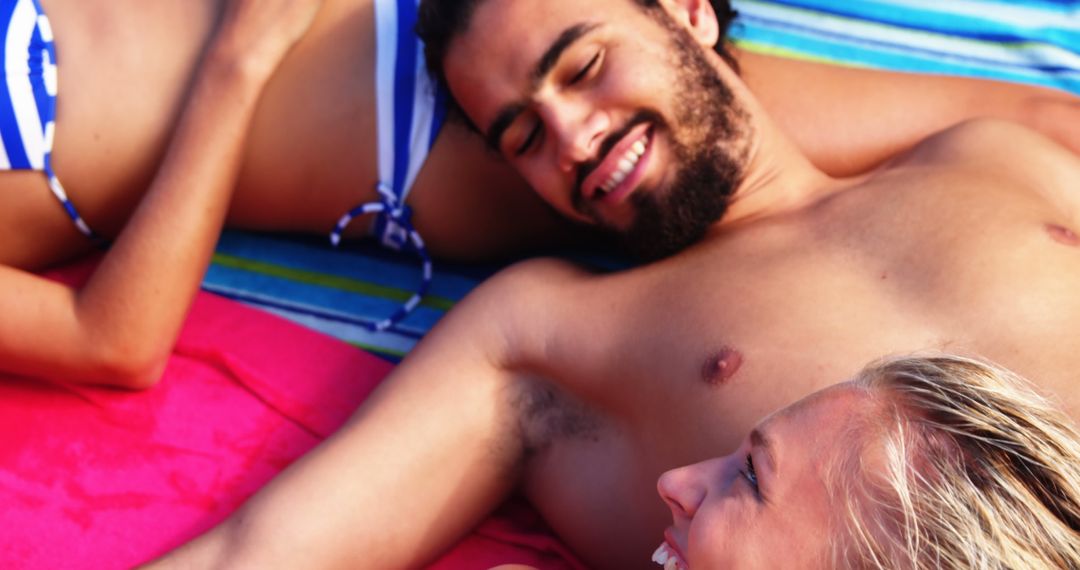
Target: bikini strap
(31,95)
(414,241)
(80,224)
(410,110)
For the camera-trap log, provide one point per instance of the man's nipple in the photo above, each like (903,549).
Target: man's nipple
(720,367)
(1062,234)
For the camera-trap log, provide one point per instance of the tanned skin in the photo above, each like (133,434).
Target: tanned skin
(305,154)
(579,389)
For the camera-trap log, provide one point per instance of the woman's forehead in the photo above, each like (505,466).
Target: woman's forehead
(822,417)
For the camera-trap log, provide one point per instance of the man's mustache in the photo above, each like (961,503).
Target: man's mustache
(586,168)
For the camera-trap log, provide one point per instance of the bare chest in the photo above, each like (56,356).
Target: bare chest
(703,346)
(753,322)
(683,357)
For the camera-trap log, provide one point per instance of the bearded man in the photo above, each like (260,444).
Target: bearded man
(774,280)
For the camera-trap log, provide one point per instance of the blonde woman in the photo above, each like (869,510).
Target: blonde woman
(939,462)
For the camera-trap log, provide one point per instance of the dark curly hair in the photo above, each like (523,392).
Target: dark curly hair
(440,21)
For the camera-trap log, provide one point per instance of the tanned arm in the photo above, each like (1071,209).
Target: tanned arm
(849,120)
(120,327)
(430,453)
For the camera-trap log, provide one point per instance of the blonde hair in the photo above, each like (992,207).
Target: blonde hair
(961,466)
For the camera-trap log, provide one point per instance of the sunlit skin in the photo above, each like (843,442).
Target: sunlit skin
(566,129)
(766,505)
(579,390)
(127,68)
(311,155)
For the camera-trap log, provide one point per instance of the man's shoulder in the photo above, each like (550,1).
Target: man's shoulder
(555,311)
(540,267)
(989,142)
(543,276)
(505,317)
(1006,155)
(522,296)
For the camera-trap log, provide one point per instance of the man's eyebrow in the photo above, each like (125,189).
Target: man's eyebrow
(762,441)
(543,67)
(557,47)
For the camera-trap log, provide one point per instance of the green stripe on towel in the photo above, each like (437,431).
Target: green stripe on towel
(328,280)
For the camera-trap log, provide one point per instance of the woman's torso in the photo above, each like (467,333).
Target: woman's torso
(124,70)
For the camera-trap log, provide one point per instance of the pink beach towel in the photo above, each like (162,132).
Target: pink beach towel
(98,478)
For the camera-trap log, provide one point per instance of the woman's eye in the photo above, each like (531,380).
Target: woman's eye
(751,474)
(585,70)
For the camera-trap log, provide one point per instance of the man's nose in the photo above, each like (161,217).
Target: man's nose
(580,129)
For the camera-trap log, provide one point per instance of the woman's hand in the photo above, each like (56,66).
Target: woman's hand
(256,34)
(119,328)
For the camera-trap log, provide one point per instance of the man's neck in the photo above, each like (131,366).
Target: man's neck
(778,178)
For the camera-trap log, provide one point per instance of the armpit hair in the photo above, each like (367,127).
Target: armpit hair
(546,415)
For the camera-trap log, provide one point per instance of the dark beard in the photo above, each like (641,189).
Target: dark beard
(668,222)
(666,225)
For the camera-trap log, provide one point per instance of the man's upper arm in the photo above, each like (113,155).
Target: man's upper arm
(1015,152)
(1056,115)
(848,120)
(430,453)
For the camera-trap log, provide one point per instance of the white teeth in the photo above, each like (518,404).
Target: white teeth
(625,165)
(666,558)
(661,555)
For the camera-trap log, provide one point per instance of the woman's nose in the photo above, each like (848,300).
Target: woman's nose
(682,490)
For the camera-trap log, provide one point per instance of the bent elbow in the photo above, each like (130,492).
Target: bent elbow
(130,367)
(142,376)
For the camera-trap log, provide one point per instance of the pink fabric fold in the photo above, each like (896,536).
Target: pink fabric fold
(99,478)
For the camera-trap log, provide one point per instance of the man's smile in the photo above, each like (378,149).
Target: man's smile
(622,169)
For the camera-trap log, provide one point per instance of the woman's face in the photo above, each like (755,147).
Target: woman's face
(766,504)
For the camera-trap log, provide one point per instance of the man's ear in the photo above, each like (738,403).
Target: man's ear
(697,16)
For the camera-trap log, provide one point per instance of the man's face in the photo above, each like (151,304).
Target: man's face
(616,118)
